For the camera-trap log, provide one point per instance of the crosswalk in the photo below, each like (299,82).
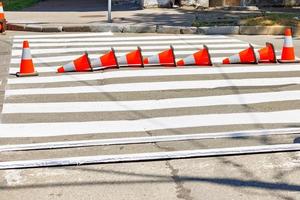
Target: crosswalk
(156,99)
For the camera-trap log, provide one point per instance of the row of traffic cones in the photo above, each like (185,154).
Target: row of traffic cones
(135,59)
(266,54)
(166,58)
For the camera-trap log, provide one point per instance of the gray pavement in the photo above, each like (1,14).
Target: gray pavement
(262,176)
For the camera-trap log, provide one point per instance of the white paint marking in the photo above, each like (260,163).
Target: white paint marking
(55,59)
(62,35)
(18,52)
(157,86)
(138,157)
(143,140)
(149,124)
(100,39)
(134,42)
(110,106)
(151,72)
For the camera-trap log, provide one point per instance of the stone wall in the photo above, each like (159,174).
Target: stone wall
(207,3)
(273,2)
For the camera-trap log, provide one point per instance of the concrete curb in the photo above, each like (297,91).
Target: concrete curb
(128,28)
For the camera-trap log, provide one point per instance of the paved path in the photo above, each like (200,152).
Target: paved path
(147,102)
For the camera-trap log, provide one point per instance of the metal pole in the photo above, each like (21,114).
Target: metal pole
(109,12)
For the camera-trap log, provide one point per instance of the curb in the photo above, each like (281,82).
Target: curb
(127,28)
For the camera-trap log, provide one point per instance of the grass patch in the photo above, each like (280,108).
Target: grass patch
(273,19)
(15,5)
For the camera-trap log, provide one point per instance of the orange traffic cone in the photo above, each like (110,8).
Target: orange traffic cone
(166,58)
(26,66)
(2,19)
(201,57)
(80,64)
(267,54)
(107,60)
(132,59)
(246,56)
(288,52)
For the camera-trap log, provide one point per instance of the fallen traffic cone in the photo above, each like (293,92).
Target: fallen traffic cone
(132,59)
(246,56)
(26,66)
(166,58)
(2,19)
(267,54)
(81,64)
(107,60)
(288,51)
(201,57)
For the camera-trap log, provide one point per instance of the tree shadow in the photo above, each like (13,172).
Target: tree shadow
(230,182)
(79,6)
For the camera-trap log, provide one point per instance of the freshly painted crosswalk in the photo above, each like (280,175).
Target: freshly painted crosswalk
(143,100)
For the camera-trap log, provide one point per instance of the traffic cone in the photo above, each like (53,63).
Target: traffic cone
(166,58)
(246,56)
(2,19)
(132,59)
(201,57)
(107,60)
(267,54)
(26,66)
(81,64)
(288,51)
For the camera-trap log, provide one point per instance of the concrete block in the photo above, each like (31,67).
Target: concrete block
(52,29)
(189,30)
(158,3)
(262,30)
(34,28)
(139,29)
(216,30)
(77,28)
(168,29)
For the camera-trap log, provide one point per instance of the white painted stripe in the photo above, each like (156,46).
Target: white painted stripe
(138,157)
(99,39)
(151,72)
(96,63)
(150,124)
(18,52)
(63,35)
(167,42)
(152,139)
(122,60)
(145,53)
(153,59)
(157,86)
(110,106)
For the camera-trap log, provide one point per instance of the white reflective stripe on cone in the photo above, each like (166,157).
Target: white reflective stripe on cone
(288,42)
(69,67)
(189,60)
(1,9)
(95,62)
(153,60)
(235,58)
(26,54)
(122,60)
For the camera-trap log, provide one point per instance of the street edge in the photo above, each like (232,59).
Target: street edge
(127,28)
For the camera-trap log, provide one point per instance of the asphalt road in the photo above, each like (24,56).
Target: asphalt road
(39,118)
